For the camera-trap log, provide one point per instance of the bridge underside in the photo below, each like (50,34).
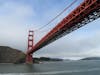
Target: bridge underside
(87,12)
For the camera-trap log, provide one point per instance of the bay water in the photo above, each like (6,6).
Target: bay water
(82,67)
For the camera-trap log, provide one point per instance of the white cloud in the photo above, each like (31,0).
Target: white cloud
(14,18)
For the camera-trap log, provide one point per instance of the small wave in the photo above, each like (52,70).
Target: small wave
(53,72)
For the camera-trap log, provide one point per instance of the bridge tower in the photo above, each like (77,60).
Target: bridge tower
(29,58)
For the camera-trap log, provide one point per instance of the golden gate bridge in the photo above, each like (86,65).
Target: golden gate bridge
(86,12)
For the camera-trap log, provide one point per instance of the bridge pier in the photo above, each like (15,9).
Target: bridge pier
(29,59)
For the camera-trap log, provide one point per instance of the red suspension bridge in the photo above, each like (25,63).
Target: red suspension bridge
(87,11)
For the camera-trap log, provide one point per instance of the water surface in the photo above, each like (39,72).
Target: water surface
(53,68)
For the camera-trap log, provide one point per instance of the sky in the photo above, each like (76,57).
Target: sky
(17,17)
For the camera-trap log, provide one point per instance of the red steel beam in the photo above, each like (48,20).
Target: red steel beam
(76,16)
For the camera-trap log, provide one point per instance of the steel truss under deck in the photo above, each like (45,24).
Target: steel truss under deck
(87,12)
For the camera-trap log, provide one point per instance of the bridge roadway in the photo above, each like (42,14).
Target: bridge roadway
(86,12)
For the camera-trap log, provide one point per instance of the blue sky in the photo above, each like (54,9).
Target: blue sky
(18,16)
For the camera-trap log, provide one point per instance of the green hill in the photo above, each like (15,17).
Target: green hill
(10,55)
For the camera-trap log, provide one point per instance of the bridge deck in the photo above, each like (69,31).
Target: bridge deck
(86,12)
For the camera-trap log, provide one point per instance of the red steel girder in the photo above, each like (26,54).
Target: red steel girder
(76,16)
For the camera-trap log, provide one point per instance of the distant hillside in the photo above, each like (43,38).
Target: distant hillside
(46,59)
(10,55)
(91,58)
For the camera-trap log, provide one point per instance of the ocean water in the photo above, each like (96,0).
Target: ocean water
(85,67)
